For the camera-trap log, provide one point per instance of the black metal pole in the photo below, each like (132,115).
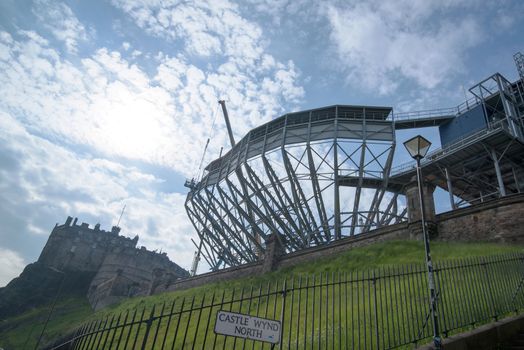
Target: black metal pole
(431,280)
(52,308)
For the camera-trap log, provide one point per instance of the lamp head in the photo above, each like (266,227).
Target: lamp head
(417,147)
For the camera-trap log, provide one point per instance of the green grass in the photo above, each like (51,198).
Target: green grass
(389,253)
(23,331)
(71,313)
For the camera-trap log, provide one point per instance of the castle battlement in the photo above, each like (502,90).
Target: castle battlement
(115,230)
(70,227)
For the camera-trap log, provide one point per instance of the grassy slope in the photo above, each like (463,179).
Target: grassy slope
(364,258)
(22,332)
(69,314)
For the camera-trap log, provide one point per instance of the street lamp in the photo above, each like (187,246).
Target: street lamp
(418,148)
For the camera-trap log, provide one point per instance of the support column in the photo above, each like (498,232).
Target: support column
(336,188)
(415,211)
(450,189)
(502,189)
(274,251)
(517,185)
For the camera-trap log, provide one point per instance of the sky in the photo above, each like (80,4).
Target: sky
(110,103)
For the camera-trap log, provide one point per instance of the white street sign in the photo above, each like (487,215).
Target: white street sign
(249,327)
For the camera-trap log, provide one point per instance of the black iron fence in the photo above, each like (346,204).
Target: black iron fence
(381,309)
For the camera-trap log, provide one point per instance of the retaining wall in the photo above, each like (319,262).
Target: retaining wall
(500,220)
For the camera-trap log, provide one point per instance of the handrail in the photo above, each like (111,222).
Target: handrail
(466,138)
(439,112)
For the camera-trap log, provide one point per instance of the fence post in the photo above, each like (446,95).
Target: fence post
(519,286)
(149,322)
(282,314)
(484,264)
(374,280)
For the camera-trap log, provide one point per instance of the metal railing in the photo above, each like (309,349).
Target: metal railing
(439,112)
(381,309)
(462,141)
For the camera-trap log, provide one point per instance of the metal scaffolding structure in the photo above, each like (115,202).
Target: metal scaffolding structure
(519,61)
(320,175)
(482,163)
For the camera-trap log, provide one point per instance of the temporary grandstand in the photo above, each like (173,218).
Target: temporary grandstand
(316,176)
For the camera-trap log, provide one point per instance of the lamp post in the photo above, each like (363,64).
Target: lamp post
(418,148)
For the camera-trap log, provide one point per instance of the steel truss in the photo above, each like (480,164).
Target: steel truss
(487,163)
(312,177)
(317,176)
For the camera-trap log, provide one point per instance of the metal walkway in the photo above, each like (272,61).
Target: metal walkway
(483,164)
(431,117)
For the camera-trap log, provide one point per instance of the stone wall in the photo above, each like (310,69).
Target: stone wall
(399,231)
(81,248)
(231,273)
(130,272)
(499,220)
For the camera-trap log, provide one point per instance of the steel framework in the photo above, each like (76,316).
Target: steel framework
(311,176)
(484,163)
(316,176)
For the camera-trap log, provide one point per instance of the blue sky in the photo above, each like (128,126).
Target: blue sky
(106,103)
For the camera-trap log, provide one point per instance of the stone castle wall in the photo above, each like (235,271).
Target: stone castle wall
(81,248)
(120,268)
(126,273)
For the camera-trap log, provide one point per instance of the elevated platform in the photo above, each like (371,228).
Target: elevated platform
(431,117)
(422,122)
(470,165)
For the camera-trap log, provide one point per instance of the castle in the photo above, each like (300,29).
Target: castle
(120,268)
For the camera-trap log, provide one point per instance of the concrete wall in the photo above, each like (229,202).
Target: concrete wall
(499,220)
(398,231)
(496,335)
(247,270)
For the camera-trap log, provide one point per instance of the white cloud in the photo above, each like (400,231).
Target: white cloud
(65,121)
(218,29)
(42,182)
(60,20)
(205,27)
(12,265)
(115,107)
(380,44)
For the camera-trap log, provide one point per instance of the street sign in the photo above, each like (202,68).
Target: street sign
(248,327)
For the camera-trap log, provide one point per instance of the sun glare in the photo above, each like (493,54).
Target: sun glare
(132,129)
